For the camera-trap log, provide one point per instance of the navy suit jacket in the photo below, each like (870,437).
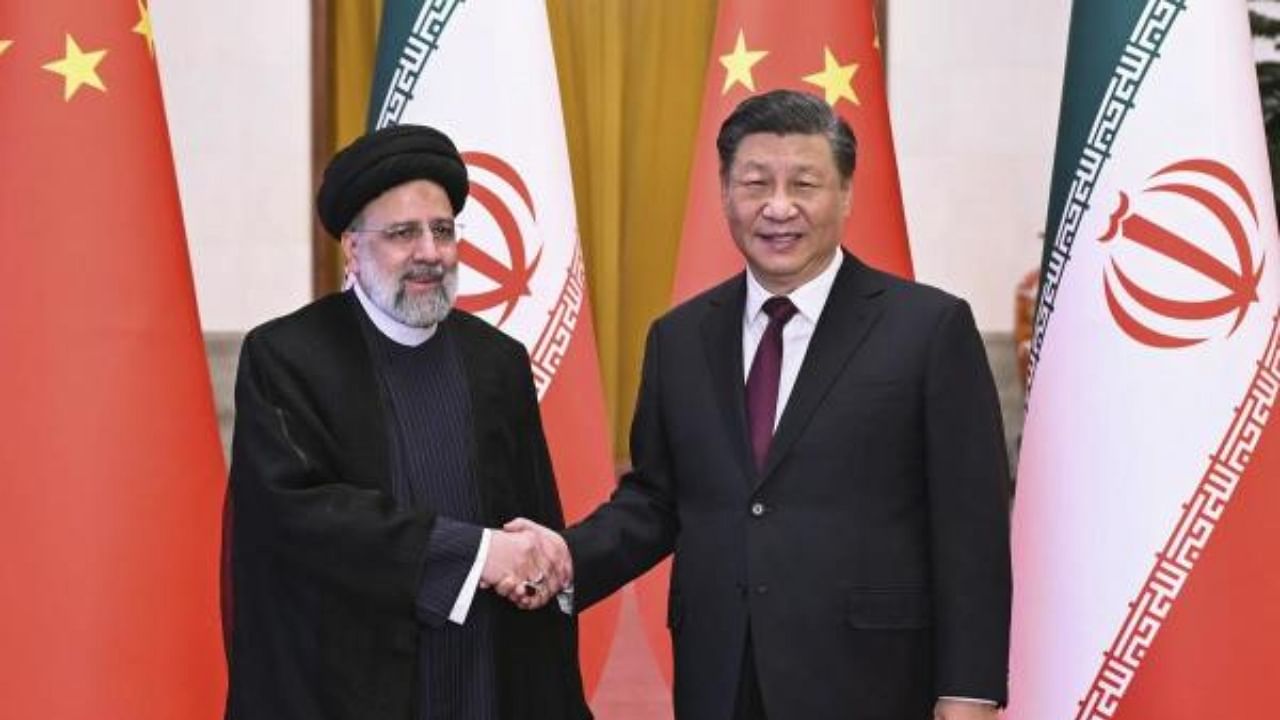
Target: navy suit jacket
(869,558)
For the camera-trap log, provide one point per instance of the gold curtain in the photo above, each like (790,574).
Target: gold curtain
(351,36)
(631,78)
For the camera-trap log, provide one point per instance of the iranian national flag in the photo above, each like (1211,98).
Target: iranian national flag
(1148,508)
(484,74)
(111,475)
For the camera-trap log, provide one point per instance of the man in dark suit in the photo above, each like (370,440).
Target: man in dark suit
(820,445)
(378,433)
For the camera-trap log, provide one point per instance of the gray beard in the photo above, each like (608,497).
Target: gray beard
(388,293)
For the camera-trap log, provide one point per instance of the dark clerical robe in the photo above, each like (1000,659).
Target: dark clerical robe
(329,562)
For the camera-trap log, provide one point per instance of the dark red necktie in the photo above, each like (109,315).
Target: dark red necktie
(762,381)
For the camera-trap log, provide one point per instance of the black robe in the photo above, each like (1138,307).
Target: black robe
(324,568)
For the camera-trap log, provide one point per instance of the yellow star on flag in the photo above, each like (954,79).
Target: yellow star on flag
(738,64)
(4,45)
(143,27)
(836,80)
(78,68)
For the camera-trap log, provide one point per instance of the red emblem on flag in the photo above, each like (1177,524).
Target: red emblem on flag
(1188,270)
(511,279)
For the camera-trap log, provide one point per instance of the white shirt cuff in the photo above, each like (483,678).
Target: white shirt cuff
(564,599)
(462,606)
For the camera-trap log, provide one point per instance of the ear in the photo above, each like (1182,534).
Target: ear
(846,198)
(349,241)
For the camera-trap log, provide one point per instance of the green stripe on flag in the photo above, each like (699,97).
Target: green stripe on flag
(1111,48)
(410,33)
(1099,31)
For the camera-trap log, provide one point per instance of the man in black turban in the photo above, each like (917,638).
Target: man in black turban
(379,434)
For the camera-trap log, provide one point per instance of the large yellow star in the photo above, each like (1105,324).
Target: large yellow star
(836,80)
(78,68)
(738,64)
(143,27)
(4,45)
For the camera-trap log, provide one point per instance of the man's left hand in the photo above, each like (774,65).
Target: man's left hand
(962,710)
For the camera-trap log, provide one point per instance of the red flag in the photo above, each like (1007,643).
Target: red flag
(113,477)
(830,49)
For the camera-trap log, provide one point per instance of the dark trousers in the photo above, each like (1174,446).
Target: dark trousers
(750,705)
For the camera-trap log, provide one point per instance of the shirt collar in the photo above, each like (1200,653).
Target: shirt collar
(397,331)
(809,298)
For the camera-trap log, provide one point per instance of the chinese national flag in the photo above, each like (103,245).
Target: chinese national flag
(110,502)
(830,48)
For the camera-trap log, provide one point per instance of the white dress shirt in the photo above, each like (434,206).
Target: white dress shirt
(809,300)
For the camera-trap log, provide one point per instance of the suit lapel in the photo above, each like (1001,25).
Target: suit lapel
(851,310)
(722,344)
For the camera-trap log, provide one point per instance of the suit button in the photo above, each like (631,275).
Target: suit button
(758,509)
(762,589)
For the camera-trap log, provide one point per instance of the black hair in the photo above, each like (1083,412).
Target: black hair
(787,112)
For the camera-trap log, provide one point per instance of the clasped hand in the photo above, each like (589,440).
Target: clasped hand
(527,564)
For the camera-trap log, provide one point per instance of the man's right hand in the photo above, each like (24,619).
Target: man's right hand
(513,556)
(555,551)
(527,564)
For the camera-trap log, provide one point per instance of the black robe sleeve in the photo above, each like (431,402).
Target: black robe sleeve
(292,502)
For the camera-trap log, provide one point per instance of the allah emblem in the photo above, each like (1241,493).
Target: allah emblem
(520,265)
(496,283)
(1182,266)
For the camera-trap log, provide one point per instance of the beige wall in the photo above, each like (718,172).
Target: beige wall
(236,78)
(974,90)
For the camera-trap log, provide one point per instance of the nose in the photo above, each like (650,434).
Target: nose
(426,250)
(779,205)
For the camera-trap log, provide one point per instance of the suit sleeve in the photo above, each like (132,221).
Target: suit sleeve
(290,503)
(637,526)
(452,554)
(968,485)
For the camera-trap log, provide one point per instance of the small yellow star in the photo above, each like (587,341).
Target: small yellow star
(79,68)
(738,64)
(4,45)
(836,80)
(143,27)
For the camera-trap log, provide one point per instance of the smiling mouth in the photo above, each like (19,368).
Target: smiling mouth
(779,238)
(423,281)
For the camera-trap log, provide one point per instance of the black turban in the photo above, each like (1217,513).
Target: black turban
(381,160)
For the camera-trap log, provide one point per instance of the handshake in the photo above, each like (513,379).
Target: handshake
(527,564)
